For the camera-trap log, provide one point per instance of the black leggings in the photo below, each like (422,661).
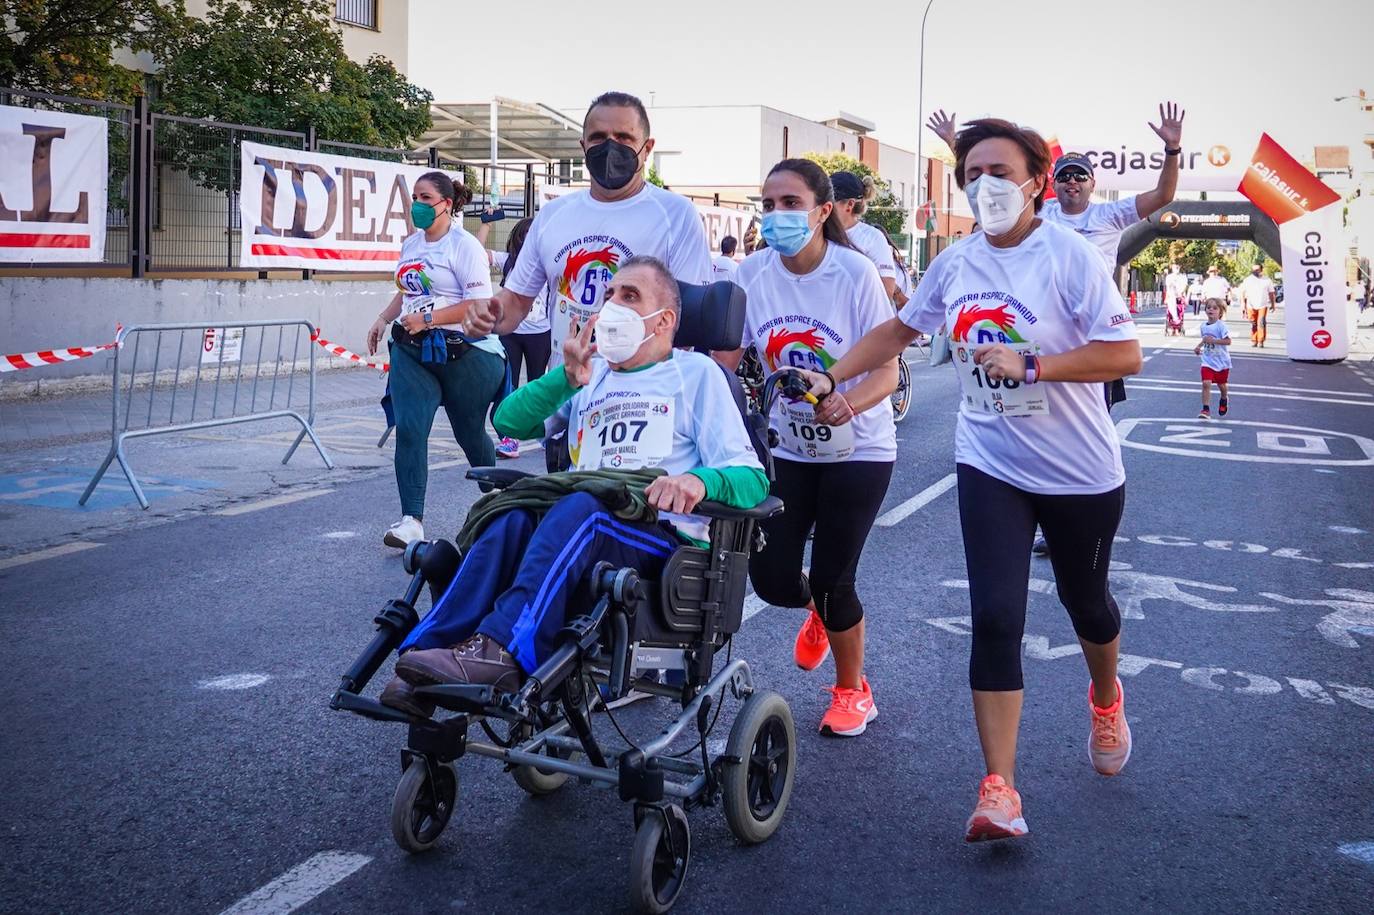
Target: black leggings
(999,524)
(851,493)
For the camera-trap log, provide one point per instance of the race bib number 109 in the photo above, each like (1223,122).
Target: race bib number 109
(979,393)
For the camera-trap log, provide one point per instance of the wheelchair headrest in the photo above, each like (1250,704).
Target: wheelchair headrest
(712,316)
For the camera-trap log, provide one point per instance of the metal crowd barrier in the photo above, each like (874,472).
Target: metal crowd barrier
(219,392)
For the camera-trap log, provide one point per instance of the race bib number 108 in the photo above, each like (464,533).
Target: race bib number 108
(979,393)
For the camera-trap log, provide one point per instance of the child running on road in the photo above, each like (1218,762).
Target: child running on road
(1215,350)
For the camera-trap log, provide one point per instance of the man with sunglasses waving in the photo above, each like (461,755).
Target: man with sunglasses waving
(1099,223)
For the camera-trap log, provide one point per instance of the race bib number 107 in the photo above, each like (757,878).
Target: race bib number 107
(979,393)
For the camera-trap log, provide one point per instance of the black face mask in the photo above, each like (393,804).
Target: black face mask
(613,165)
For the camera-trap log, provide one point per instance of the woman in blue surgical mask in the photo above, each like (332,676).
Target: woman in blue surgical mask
(811,296)
(1036,326)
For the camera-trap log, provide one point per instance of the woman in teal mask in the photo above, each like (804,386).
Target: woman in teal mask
(442,271)
(811,296)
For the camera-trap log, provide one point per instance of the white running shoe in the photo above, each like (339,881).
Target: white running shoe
(403,532)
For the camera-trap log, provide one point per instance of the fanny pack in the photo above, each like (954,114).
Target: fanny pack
(454,345)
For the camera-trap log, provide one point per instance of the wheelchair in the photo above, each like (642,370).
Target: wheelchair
(543,733)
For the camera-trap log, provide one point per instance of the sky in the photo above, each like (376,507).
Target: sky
(1095,69)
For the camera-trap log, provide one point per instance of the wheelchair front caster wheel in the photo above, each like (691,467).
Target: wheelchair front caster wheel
(755,790)
(423,804)
(658,861)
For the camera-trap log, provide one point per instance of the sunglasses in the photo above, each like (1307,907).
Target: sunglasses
(1065,177)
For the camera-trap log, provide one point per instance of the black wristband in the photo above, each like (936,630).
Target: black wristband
(834,385)
(1173,152)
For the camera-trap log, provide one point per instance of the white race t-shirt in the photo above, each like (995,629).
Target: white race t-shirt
(1215,287)
(1101,223)
(452,269)
(1052,291)
(1213,356)
(677,414)
(537,321)
(1256,291)
(1195,290)
(873,245)
(723,268)
(810,322)
(576,244)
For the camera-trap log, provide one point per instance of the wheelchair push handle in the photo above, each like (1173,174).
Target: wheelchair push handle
(788,382)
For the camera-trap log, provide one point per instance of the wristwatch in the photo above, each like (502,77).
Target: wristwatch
(429,317)
(1032,368)
(1178,150)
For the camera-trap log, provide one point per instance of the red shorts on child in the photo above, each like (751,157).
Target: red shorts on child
(1219,376)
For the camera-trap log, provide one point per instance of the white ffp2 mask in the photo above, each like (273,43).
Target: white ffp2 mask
(620,332)
(997,202)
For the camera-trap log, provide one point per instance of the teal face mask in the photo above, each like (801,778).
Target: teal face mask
(422,214)
(787,231)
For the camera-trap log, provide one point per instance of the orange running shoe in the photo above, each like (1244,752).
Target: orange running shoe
(813,645)
(998,814)
(850,711)
(1109,742)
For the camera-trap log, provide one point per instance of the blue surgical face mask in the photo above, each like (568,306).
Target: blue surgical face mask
(787,231)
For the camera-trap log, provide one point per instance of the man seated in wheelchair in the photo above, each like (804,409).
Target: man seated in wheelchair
(631,402)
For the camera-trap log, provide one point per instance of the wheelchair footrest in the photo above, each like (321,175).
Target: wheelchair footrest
(444,740)
(468,698)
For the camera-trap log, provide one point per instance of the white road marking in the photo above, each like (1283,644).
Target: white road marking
(273,502)
(1343,529)
(234,681)
(916,502)
(1153,385)
(299,885)
(1211,433)
(1354,565)
(52,552)
(340,535)
(1360,851)
(1235,386)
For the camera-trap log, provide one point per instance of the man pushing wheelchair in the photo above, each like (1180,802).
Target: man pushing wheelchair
(658,418)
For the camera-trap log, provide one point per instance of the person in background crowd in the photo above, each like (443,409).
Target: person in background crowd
(852,195)
(810,296)
(1359,292)
(1257,293)
(723,265)
(528,346)
(1100,223)
(578,240)
(904,284)
(443,275)
(1176,289)
(1195,294)
(1216,285)
(1038,326)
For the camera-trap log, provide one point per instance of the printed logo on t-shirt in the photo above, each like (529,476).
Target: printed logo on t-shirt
(803,349)
(588,265)
(412,279)
(978,320)
(1120,319)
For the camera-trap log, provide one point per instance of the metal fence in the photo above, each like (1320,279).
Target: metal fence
(173,192)
(180,377)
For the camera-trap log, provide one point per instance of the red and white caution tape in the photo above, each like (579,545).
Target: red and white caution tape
(344,353)
(17,361)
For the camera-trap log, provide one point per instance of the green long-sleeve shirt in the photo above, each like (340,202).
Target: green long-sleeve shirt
(521,415)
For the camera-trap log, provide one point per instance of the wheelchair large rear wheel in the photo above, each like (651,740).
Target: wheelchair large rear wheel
(755,790)
(901,397)
(658,861)
(423,804)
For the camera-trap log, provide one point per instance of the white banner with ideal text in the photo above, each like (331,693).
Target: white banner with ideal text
(313,211)
(54,171)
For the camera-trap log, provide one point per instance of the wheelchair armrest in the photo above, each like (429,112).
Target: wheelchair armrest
(489,478)
(770,506)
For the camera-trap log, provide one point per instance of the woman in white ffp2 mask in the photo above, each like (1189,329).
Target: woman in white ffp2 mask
(1036,326)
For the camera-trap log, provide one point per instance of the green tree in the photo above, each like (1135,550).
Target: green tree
(67,47)
(884,210)
(652,176)
(279,64)
(1237,266)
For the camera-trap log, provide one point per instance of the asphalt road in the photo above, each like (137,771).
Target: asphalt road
(167,745)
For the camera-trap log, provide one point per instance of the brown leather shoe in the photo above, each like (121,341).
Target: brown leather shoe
(479,660)
(399,694)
